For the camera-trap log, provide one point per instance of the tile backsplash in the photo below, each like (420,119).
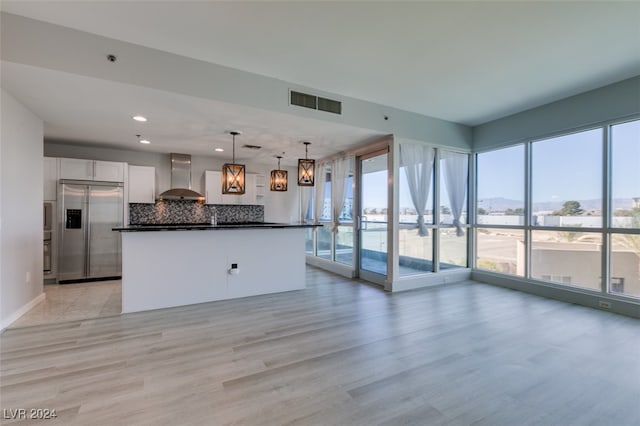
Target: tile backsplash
(186,211)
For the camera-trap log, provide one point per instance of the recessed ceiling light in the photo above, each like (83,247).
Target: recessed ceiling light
(144,141)
(139,118)
(219,150)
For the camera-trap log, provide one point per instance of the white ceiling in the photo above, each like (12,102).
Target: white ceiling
(467,62)
(95,111)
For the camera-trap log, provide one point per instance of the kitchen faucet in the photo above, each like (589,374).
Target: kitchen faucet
(214,216)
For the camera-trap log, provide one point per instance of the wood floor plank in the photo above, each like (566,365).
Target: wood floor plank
(340,352)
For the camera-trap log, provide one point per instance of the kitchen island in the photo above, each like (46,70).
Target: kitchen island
(174,265)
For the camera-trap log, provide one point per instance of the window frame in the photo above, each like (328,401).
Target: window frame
(605,230)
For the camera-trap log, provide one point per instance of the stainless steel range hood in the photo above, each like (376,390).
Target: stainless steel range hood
(181,180)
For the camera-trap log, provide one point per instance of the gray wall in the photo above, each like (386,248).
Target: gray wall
(611,102)
(20,209)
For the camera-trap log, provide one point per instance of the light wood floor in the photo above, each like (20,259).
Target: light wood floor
(338,353)
(68,302)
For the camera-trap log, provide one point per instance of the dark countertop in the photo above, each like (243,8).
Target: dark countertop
(207,227)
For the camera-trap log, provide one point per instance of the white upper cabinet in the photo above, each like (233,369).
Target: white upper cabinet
(50,176)
(142,184)
(72,168)
(213,187)
(108,171)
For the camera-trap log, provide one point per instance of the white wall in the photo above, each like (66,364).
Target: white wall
(157,69)
(610,102)
(279,206)
(21,210)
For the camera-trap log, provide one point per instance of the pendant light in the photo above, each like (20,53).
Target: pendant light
(232,173)
(306,168)
(278,181)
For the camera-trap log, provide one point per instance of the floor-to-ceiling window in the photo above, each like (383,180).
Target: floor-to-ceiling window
(566,209)
(333,240)
(306,208)
(322,211)
(624,245)
(430,238)
(374,216)
(416,227)
(580,226)
(453,183)
(500,210)
(343,238)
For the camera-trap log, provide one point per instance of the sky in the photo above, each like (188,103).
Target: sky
(376,197)
(565,168)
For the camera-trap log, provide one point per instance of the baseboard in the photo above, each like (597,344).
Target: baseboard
(576,296)
(23,310)
(337,268)
(430,280)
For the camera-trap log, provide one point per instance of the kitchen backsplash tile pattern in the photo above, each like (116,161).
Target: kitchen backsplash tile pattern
(185,211)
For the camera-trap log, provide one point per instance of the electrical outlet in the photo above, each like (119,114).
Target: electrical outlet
(234,270)
(604,305)
(28,277)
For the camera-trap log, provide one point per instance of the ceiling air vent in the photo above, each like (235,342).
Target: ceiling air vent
(251,146)
(306,100)
(329,105)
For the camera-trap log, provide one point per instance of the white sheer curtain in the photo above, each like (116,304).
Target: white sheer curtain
(305,194)
(340,169)
(456,171)
(417,161)
(318,200)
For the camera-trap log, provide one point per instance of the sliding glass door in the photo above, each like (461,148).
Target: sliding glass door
(373,217)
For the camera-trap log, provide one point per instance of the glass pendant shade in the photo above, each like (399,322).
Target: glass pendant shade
(306,168)
(279,179)
(233,174)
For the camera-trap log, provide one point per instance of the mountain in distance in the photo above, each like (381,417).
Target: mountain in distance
(499,204)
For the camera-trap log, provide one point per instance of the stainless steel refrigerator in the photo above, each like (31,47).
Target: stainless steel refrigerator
(88,248)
